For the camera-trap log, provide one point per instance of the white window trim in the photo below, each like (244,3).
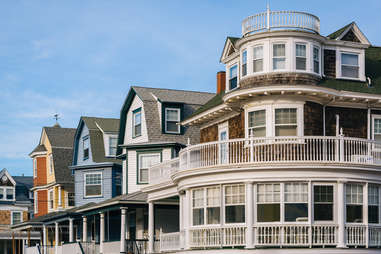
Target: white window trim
(223,207)
(307,69)
(51,164)
(178,120)
(49,200)
(138,165)
(35,167)
(374,116)
(334,207)
(21,216)
(361,63)
(35,202)
(83,147)
(247,58)
(263,59)
(5,193)
(109,145)
(286,63)
(84,185)
(228,67)
(313,61)
(133,122)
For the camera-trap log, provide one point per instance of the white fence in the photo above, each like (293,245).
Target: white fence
(280,19)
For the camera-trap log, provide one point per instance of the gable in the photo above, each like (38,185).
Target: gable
(350,32)
(229,48)
(6,179)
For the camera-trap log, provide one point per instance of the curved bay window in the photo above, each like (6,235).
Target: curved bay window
(323,203)
(354,203)
(373,204)
(296,202)
(268,202)
(285,122)
(234,203)
(257,123)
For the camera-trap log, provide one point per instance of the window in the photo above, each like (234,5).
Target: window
(296,201)
(323,203)
(257,123)
(71,199)
(16,217)
(349,65)
(233,77)
(301,58)
(172,120)
(354,198)
(285,122)
(1,193)
(234,203)
(51,200)
(268,202)
(213,205)
(279,56)
(244,63)
(373,204)
(258,59)
(51,163)
(137,123)
(35,202)
(145,162)
(85,148)
(198,207)
(93,184)
(35,167)
(316,55)
(113,141)
(377,129)
(10,194)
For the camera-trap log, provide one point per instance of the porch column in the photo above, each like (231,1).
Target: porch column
(84,229)
(71,230)
(102,236)
(151,229)
(187,218)
(249,215)
(56,236)
(123,212)
(44,238)
(181,217)
(341,214)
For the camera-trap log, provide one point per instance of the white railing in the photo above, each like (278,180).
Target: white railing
(295,235)
(355,235)
(375,236)
(218,237)
(170,241)
(268,20)
(162,172)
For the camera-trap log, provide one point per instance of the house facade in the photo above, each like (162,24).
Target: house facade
(289,158)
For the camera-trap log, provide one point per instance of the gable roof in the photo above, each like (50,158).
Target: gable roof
(350,28)
(5,172)
(228,47)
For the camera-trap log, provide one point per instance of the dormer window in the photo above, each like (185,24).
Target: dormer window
(301,58)
(349,65)
(316,55)
(244,63)
(279,56)
(86,148)
(137,123)
(258,59)
(172,120)
(233,77)
(112,145)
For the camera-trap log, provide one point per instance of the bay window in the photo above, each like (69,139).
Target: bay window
(279,56)
(233,80)
(244,63)
(146,160)
(234,203)
(296,201)
(258,59)
(268,202)
(285,122)
(354,202)
(257,123)
(172,120)
(323,203)
(373,204)
(198,207)
(349,65)
(93,184)
(316,59)
(300,56)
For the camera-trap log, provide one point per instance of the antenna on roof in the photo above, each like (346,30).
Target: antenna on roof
(56,117)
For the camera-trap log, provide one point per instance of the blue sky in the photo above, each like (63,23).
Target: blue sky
(80,57)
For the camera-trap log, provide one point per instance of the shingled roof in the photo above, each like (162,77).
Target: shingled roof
(60,137)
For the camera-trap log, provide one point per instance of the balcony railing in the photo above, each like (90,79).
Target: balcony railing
(161,172)
(275,20)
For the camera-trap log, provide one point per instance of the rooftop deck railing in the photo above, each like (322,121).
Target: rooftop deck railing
(270,151)
(275,20)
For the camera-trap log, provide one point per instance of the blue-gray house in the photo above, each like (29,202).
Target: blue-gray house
(97,173)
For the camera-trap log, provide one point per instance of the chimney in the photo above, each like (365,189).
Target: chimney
(221,81)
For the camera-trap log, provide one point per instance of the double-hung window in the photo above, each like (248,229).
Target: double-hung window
(301,57)
(16,217)
(258,59)
(373,204)
(323,203)
(35,167)
(354,202)
(51,164)
(213,204)
(349,65)
(137,123)
(316,59)
(198,207)
(51,200)
(377,129)
(146,160)
(296,202)
(10,193)
(279,56)
(285,122)
(268,202)
(233,80)
(172,120)
(257,123)
(234,203)
(35,201)
(86,143)
(113,141)
(244,63)
(93,184)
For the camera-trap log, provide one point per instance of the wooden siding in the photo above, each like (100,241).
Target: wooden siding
(313,119)
(41,172)
(42,199)
(128,139)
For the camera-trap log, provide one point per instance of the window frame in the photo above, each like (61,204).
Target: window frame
(21,216)
(251,129)
(138,156)
(358,64)
(178,120)
(362,204)
(51,200)
(258,59)
(278,57)
(224,205)
(13,189)
(244,63)
(293,192)
(313,59)
(85,184)
(234,65)
(273,193)
(51,164)
(334,200)
(378,204)
(110,147)
(35,163)
(35,201)
(86,139)
(284,124)
(305,57)
(134,114)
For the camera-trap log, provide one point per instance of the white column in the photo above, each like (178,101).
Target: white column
(102,236)
(56,236)
(71,230)
(123,220)
(44,237)
(365,214)
(84,229)
(187,218)
(249,215)
(341,214)
(151,230)
(181,217)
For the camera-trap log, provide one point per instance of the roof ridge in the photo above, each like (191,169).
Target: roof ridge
(170,89)
(339,31)
(97,117)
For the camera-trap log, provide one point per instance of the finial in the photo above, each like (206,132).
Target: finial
(56,117)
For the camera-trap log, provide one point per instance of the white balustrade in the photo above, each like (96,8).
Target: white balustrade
(162,172)
(355,235)
(218,237)
(170,241)
(375,236)
(266,21)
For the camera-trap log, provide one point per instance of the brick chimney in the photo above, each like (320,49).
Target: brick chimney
(221,81)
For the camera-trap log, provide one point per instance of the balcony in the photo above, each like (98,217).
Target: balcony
(280,20)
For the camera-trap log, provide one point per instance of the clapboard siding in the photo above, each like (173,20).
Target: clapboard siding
(137,103)
(80,161)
